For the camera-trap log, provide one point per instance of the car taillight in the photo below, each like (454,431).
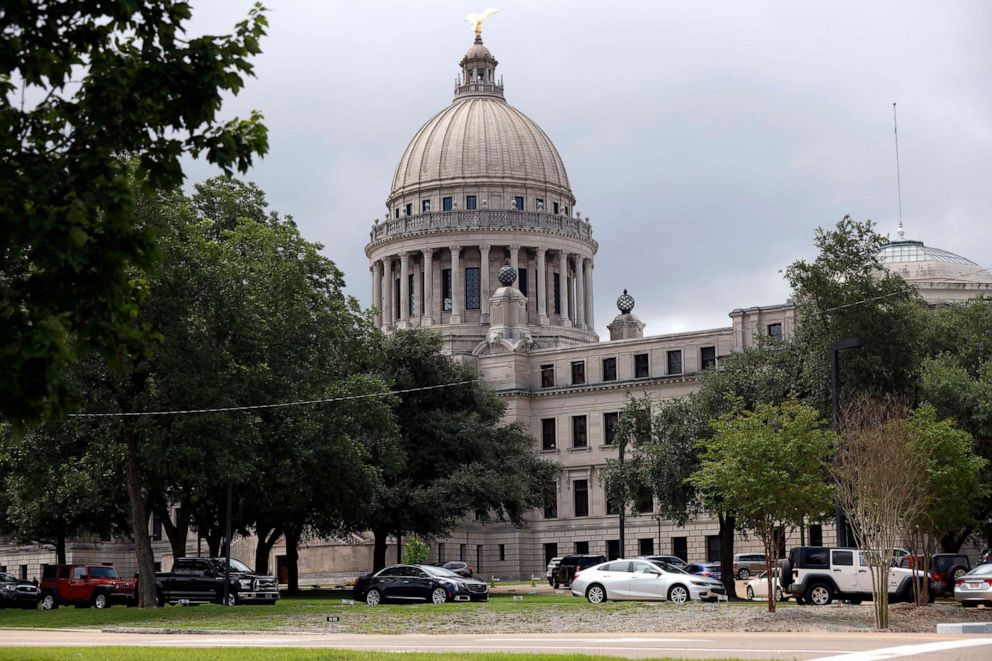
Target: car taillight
(960,581)
(988,581)
(937,576)
(735,566)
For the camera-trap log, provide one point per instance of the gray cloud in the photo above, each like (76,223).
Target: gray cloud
(706,141)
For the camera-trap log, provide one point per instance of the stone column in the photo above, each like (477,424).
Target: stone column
(590,299)
(515,260)
(377,292)
(428,311)
(566,320)
(580,293)
(387,304)
(456,286)
(542,287)
(404,290)
(417,271)
(484,277)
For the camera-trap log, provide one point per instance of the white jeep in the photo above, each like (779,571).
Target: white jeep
(818,575)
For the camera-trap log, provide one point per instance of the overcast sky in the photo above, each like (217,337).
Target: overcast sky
(705,140)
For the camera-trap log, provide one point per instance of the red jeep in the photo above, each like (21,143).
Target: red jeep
(83,586)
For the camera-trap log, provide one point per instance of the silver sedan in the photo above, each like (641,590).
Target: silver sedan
(975,587)
(643,580)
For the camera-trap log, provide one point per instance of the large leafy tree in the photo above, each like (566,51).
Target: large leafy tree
(456,455)
(767,466)
(81,84)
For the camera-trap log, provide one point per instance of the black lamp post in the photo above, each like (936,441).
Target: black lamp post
(835,349)
(227,546)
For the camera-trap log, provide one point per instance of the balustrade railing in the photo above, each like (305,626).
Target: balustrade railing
(481,219)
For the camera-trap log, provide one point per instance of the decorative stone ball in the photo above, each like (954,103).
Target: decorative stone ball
(625,303)
(507,275)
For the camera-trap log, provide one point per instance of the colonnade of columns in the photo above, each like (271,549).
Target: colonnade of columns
(420,301)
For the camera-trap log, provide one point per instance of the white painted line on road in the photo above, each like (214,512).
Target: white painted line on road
(907,650)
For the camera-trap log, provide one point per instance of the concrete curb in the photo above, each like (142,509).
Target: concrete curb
(199,632)
(965,627)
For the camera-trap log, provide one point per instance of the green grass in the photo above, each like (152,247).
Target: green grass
(310,613)
(260,654)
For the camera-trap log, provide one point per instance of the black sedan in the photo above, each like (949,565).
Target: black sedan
(413,583)
(17,594)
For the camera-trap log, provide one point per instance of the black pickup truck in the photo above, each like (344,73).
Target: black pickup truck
(201,580)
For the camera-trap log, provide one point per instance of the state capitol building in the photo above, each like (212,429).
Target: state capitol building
(482,244)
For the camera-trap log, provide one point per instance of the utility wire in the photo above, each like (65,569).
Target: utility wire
(270,406)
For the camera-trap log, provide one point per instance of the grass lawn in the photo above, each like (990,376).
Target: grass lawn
(260,654)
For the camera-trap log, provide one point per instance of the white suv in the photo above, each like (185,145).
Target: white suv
(818,575)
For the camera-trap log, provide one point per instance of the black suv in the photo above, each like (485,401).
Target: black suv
(565,570)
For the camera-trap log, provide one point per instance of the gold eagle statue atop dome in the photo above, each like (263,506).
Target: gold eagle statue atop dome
(476,20)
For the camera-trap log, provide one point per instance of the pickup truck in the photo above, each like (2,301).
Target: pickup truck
(201,580)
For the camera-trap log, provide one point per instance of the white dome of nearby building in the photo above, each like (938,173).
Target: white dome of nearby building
(940,276)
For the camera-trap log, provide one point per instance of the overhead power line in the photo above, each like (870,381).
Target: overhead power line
(306,402)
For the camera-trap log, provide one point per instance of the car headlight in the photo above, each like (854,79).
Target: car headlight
(9,587)
(702,583)
(245,583)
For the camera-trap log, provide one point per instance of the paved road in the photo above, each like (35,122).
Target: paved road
(839,646)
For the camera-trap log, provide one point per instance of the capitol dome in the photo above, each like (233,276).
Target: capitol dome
(480,145)
(916,262)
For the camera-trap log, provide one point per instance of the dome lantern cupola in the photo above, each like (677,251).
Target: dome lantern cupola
(478,77)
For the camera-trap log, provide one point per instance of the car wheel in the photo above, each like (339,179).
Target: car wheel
(49,602)
(101,600)
(778,595)
(159,599)
(555,585)
(678,594)
(373,597)
(819,594)
(232,599)
(750,593)
(439,596)
(800,600)
(959,572)
(744,574)
(596,594)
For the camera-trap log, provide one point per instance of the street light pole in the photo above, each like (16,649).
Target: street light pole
(840,521)
(227,546)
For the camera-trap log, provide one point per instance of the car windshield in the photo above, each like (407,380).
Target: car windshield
(102,572)
(439,571)
(981,570)
(7,578)
(672,569)
(236,565)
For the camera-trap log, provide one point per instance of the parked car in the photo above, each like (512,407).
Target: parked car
(818,575)
(985,556)
(975,587)
(945,569)
(672,560)
(83,586)
(15,593)
(643,580)
(552,563)
(747,564)
(757,587)
(707,569)
(413,583)
(459,567)
(566,569)
(201,580)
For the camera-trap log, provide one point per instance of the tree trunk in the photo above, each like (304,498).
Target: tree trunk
(771,557)
(176,532)
(293,561)
(952,542)
(379,548)
(214,541)
(60,548)
(267,537)
(728,524)
(139,525)
(399,548)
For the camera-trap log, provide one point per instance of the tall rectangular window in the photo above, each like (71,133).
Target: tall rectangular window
(641,369)
(548,376)
(680,548)
(581,490)
(461,552)
(610,426)
(397,212)
(518,203)
(645,546)
(440,551)
(473,297)
(675,361)
(156,528)
(579,439)
(556,285)
(522,281)
(502,552)
(712,548)
(612,509)
(412,303)
(578,373)
(645,500)
(409,210)
(540,204)
(397,301)
(446,290)
(446,204)
(425,206)
(581,548)
(609,369)
(556,207)
(551,505)
(816,535)
(612,549)
(775,331)
(707,357)
(470,202)
(550,551)
(548,439)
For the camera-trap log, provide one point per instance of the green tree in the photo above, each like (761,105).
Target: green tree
(767,466)
(845,292)
(623,477)
(415,552)
(82,83)
(456,456)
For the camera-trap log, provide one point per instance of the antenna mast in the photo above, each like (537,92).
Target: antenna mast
(895,125)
